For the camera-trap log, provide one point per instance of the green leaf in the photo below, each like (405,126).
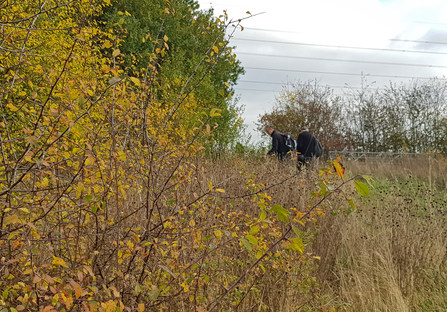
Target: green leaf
(207,237)
(252,239)
(94,209)
(153,294)
(362,188)
(297,244)
(301,222)
(88,198)
(297,232)
(263,215)
(254,230)
(278,208)
(246,244)
(323,190)
(282,217)
(171,202)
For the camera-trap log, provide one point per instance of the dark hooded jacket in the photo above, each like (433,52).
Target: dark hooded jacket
(279,146)
(305,144)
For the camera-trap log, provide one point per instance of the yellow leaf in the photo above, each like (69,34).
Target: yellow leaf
(24,210)
(226,83)
(210,185)
(12,107)
(339,169)
(77,288)
(10,220)
(165,38)
(116,53)
(45,182)
(59,261)
(128,14)
(220,190)
(215,49)
(136,81)
(192,222)
(107,44)
(218,233)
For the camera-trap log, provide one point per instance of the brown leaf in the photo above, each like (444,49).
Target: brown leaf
(115,292)
(89,269)
(77,288)
(36,279)
(80,276)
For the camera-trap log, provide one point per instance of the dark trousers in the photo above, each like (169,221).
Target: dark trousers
(284,156)
(304,161)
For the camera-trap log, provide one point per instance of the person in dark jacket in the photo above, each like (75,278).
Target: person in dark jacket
(305,146)
(279,147)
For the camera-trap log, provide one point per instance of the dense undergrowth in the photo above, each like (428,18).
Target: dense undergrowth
(109,203)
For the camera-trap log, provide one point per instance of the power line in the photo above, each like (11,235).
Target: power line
(337,73)
(258,90)
(245,89)
(280,83)
(340,47)
(301,32)
(340,60)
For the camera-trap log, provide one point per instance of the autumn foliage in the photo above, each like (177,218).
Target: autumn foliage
(106,203)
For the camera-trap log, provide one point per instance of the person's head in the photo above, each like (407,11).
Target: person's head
(304,129)
(269,129)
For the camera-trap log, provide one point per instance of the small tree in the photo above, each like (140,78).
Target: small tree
(312,105)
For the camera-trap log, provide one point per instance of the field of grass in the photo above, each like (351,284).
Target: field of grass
(392,254)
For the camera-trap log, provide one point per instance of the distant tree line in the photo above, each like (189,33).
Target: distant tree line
(398,118)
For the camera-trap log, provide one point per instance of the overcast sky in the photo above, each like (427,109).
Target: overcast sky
(312,40)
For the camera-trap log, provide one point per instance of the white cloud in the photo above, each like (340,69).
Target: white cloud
(353,23)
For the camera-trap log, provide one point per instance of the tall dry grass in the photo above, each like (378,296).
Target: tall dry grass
(430,168)
(391,256)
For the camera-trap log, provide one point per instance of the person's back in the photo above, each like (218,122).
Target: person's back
(279,146)
(305,146)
